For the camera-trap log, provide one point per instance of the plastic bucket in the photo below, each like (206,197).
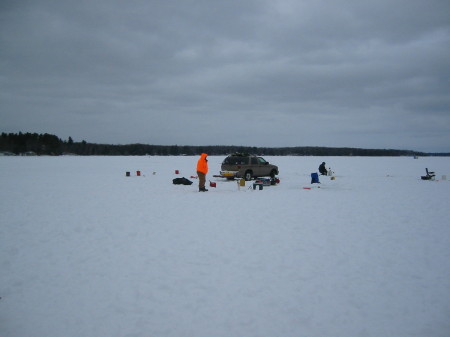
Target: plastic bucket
(314,178)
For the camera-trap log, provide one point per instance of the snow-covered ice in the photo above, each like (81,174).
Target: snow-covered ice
(87,251)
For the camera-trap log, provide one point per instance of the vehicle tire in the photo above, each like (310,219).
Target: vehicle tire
(273,173)
(248,175)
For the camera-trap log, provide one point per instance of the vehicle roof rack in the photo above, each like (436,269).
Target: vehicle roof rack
(239,154)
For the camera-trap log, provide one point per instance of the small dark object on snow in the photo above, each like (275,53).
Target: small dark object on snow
(259,185)
(430,175)
(181,181)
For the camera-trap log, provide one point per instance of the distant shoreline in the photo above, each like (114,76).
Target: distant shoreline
(29,144)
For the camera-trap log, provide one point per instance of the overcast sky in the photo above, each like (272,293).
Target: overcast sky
(342,73)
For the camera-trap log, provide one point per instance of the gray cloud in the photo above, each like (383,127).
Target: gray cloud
(261,73)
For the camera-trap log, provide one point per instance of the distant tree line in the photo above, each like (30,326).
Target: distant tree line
(46,144)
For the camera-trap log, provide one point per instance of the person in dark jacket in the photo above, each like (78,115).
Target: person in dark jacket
(323,171)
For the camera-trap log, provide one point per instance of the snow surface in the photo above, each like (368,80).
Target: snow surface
(87,251)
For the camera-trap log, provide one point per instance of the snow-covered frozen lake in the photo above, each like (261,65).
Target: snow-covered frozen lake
(87,251)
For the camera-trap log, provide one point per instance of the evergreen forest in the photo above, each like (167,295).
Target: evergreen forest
(47,144)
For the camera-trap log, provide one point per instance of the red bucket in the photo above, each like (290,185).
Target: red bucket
(138,173)
(212,184)
(177,172)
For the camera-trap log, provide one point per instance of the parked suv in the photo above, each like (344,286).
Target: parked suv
(241,165)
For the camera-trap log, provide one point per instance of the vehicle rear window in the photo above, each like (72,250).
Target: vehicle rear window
(236,160)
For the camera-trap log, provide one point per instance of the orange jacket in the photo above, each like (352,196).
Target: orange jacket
(202,164)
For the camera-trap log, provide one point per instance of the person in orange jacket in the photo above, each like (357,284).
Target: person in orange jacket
(202,170)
